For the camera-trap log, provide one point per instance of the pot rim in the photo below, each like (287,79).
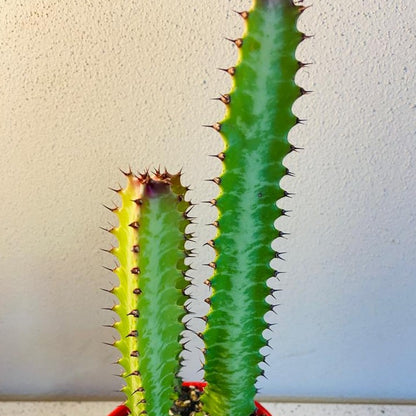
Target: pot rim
(124,411)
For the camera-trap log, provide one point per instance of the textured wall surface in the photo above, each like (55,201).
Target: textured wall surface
(88,87)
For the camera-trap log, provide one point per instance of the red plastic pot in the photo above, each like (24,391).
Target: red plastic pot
(124,411)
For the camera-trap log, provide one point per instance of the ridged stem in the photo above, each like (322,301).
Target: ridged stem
(255,132)
(152,221)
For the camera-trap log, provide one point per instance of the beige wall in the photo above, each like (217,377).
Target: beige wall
(88,87)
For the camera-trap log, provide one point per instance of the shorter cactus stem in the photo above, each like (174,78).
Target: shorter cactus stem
(151,290)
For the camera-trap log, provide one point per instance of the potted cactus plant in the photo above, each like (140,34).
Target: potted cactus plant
(152,235)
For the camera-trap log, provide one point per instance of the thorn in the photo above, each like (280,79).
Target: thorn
(189,236)
(185,342)
(135,270)
(138,201)
(129,173)
(303,64)
(110,209)
(135,248)
(134,313)
(116,190)
(208,283)
(107,250)
(304,92)
(230,70)
(207,300)
(132,334)
(265,362)
(108,291)
(157,172)
(262,374)
(225,98)
(300,121)
(216,180)
(108,326)
(282,234)
(107,343)
(295,149)
(108,309)
(304,36)
(190,253)
(215,126)
(137,291)
(214,223)
(272,292)
(134,225)
(277,255)
(190,219)
(190,208)
(109,269)
(237,42)
(184,348)
(289,173)
(140,389)
(276,273)
(210,243)
(134,354)
(284,212)
(288,194)
(134,373)
(109,230)
(200,369)
(143,177)
(213,202)
(220,156)
(244,14)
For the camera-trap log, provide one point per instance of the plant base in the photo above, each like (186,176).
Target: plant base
(199,386)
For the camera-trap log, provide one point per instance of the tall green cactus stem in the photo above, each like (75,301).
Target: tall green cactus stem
(255,131)
(151,292)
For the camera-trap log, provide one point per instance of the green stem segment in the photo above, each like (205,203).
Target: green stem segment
(255,131)
(151,254)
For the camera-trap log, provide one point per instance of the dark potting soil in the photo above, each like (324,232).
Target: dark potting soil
(189,404)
